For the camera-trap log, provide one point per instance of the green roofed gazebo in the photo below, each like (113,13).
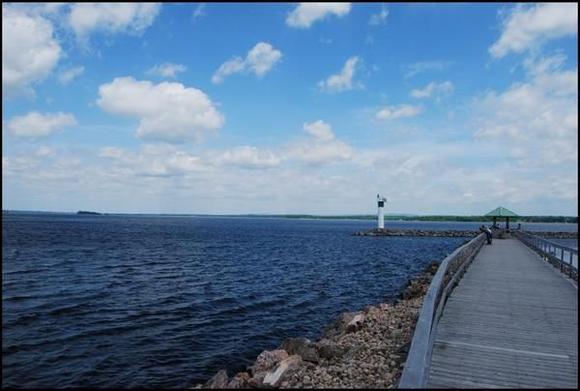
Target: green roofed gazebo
(501,212)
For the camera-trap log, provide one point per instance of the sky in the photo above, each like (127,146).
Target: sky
(289,108)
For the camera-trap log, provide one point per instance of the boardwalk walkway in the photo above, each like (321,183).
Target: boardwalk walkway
(511,322)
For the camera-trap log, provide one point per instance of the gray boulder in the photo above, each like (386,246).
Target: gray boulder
(329,350)
(302,347)
(219,380)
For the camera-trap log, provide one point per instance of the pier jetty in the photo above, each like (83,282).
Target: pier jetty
(507,320)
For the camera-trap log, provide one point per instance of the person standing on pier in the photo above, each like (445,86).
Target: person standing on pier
(488,233)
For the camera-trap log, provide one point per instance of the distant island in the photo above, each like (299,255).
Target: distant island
(86,212)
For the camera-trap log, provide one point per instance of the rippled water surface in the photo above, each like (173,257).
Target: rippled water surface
(118,301)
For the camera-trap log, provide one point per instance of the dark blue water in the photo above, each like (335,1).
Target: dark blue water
(117,301)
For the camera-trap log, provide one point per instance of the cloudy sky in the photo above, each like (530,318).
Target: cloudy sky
(290,108)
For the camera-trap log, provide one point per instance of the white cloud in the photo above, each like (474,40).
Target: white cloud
(70,74)
(342,81)
(167,111)
(248,157)
(259,60)
(305,14)
(425,66)
(526,27)
(321,148)
(537,118)
(130,18)
(167,69)
(199,11)
(401,111)
(434,89)
(380,18)
(318,152)
(35,125)
(319,129)
(426,177)
(29,50)
(162,161)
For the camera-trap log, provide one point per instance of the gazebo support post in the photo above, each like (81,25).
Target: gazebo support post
(507,223)
(495,222)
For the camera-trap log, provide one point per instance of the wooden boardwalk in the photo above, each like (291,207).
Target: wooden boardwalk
(511,322)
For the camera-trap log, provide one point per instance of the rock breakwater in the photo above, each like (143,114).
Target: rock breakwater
(365,349)
(555,235)
(416,232)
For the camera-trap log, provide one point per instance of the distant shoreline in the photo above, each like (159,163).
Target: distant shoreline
(392,217)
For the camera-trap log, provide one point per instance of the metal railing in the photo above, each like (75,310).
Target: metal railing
(416,371)
(564,257)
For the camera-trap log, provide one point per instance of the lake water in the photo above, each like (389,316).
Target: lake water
(130,301)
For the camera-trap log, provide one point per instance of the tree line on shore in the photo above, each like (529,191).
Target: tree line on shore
(520,219)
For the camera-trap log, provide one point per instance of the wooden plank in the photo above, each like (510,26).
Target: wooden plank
(511,322)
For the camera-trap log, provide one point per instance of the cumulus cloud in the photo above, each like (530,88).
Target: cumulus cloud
(70,74)
(130,18)
(342,81)
(319,129)
(400,111)
(305,14)
(527,26)
(167,111)
(320,148)
(29,50)
(167,69)
(434,89)
(259,60)
(35,125)
(539,116)
(380,18)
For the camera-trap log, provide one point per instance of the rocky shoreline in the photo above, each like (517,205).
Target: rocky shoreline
(450,233)
(365,349)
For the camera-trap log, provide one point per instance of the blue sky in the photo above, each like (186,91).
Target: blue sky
(290,108)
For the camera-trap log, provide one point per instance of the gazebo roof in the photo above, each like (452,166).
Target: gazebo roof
(501,212)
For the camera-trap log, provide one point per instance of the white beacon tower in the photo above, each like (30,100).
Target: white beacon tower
(381,214)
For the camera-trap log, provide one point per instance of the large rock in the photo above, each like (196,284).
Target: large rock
(355,323)
(329,350)
(219,380)
(338,327)
(239,381)
(302,347)
(282,371)
(266,362)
